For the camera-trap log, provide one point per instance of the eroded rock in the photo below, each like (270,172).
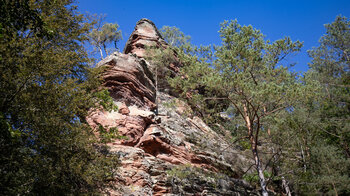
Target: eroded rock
(127,81)
(144,34)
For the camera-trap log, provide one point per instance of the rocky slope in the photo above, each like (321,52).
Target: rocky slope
(173,152)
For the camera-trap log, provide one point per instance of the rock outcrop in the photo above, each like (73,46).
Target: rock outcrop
(145,34)
(171,153)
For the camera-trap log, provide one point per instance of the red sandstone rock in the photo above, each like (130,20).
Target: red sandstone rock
(123,109)
(127,80)
(130,126)
(153,143)
(144,34)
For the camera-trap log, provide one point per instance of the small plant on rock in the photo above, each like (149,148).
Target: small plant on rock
(105,100)
(108,135)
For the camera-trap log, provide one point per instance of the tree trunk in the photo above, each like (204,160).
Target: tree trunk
(99,48)
(286,187)
(156,101)
(253,142)
(284,181)
(105,49)
(277,171)
(259,170)
(303,157)
(333,184)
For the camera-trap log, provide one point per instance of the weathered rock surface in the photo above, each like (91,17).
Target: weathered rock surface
(144,34)
(172,153)
(129,80)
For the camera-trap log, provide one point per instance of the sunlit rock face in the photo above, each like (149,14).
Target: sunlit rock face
(145,34)
(171,153)
(128,80)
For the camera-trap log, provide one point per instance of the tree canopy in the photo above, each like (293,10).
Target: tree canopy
(104,34)
(45,92)
(248,79)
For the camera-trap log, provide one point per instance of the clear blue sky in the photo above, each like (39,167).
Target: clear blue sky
(301,20)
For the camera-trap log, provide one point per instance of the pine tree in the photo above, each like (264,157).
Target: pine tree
(314,138)
(330,66)
(248,75)
(327,149)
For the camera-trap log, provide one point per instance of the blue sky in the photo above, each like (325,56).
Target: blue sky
(301,20)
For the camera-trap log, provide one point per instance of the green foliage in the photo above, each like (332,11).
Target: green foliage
(160,60)
(329,170)
(46,146)
(181,172)
(245,144)
(105,100)
(193,179)
(247,74)
(170,104)
(188,171)
(305,120)
(173,36)
(189,55)
(104,34)
(330,66)
(110,134)
(254,178)
(314,137)
(180,49)
(246,77)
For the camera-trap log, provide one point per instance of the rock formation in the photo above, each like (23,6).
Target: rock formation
(144,34)
(171,153)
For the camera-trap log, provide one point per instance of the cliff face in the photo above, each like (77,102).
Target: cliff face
(173,152)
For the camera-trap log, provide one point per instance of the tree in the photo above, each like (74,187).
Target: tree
(102,35)
(324,122)
(330,66)
(160,59)
(314,138)
(45,92)
(312,164)
(173,36)
(248,74)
